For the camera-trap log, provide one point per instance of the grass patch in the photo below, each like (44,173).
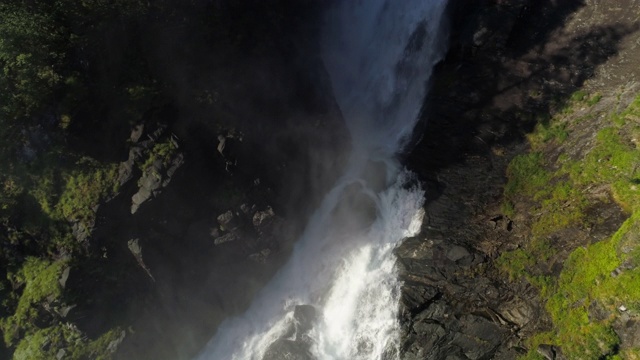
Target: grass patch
(583,300)
(162,151)
(545,132)
(84,190)
(579,95)
(594,99)
(39,279)
(515,263)
(526,175)
(45,344)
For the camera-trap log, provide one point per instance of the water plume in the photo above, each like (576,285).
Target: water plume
(379,55)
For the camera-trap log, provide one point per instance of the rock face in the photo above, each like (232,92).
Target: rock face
(160,161)
(508,61)
(295,344)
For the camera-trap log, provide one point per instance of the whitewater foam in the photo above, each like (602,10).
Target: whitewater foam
(379,55)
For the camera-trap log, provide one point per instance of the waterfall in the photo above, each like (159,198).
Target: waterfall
(337,297)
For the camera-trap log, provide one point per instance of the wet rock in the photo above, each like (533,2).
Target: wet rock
(288,350)
(304,316)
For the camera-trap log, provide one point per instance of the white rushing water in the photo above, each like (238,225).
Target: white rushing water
(379,55)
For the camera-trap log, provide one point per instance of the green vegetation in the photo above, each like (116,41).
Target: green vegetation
(582,300)
(84,190)
(50,53)
(162,151)
(40,281)
(45,344)
(526,175)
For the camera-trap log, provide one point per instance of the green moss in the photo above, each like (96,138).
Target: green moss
(586,281)
(40,281)
(594,99)
(162,151)
(562,205)
(526,175)
(579,95)
(84,190)
(46,190)
(508,208)
(545,132)
(44,344)
(515,263)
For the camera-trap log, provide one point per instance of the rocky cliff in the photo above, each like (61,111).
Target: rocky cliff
(160,176)
(520,78)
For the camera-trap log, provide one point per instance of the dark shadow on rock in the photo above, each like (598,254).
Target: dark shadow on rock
(510,66)
(494,91)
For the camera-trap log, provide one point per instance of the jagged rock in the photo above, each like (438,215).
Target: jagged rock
(248,210)
(627,327)
(154,178)
(260,256)
(457,252)
(113,345)
(516,311)
(227,221)
(547,351)
(305,316)
(261,217)
(225,238)
(136,250)
(64,277)
(174,165)
(136,133)
(81,230)
(64,310)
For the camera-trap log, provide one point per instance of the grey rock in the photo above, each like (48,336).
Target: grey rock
(173,167)
(304,316)
(261,217)
(457,252)
(628,329)
(225,238)
(64,277)
(227,221)
(136,249)
(81,230)
(260,256)
(125,171)
(113,345)
(136,133)
(64,311)
(516,311)
(547,351)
